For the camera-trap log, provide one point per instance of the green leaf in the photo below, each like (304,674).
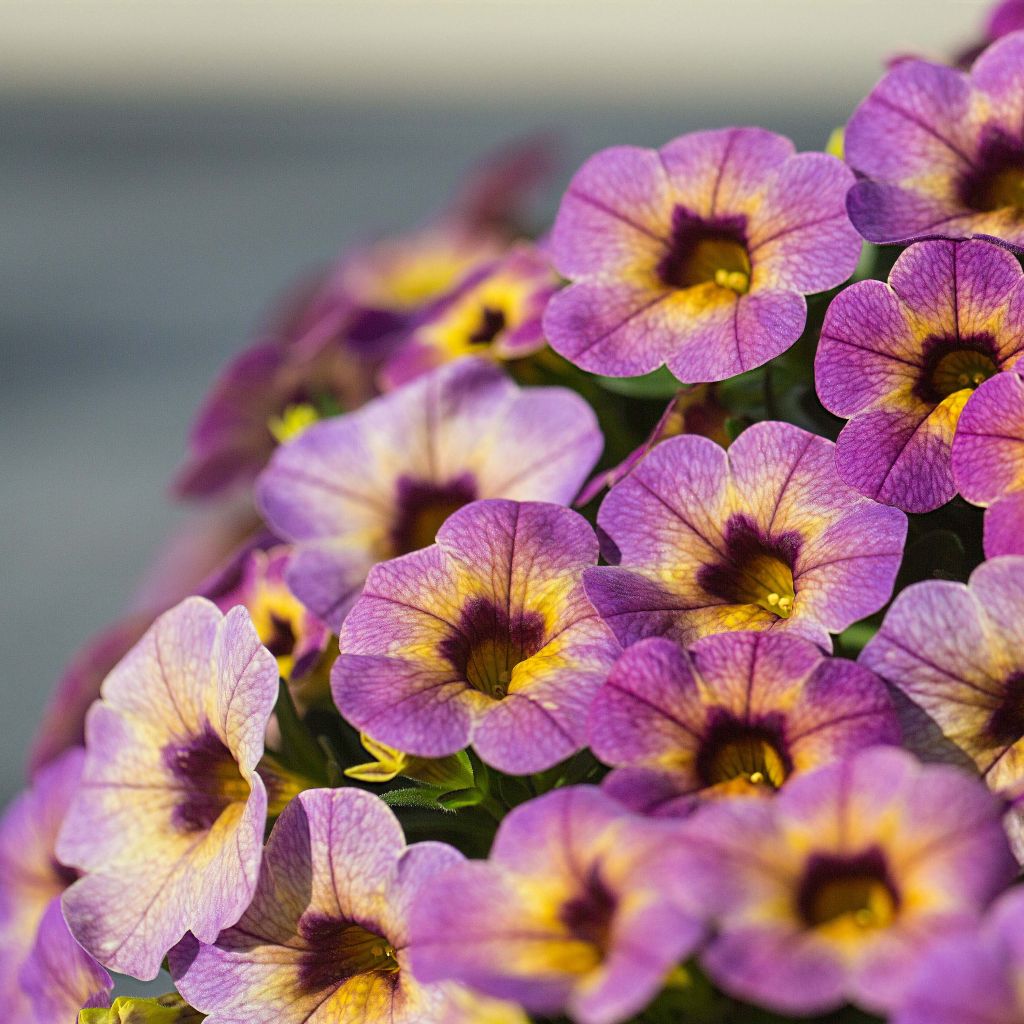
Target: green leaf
(456,798)
(659,384)
(853,640)
(421,796)
(299,750)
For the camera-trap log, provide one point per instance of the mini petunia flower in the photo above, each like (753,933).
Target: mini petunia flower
(697,255)
(31,883)
(168,822)
(326,935)
(738,714)
(494,311)
(973,978)
(59,978)
(765,536)
(694,410)
(270,392)
(834,890)
(901,359)
(956,654)
(1004,18)
(941,152)
(486,637)
(988,461)
(378,483)
(568,914)
(293,634)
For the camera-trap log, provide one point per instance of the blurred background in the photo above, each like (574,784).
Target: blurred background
(167,167)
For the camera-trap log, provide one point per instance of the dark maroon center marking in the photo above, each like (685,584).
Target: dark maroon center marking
(492,323)
(588,917)
(208,777)
(952,364)
(339,950)
(755,751)
(489,642)
(858,888)
(706,251)
(996,180)
(756,569)
(423,506)
(1006,726)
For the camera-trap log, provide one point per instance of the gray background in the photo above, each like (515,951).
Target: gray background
(166,168)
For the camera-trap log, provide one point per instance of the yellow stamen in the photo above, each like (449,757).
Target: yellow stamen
(293,420)
(735,280)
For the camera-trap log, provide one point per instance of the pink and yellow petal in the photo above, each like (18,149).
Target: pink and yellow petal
(988,452)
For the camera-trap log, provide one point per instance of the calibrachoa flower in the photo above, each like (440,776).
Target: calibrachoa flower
(326,935)
(293,634)
(495,311)
(957,652)
(837,887)
(901,359)
(31,881)
(736,715)
(941,152)
(973,978)
(266,394)
(765,536)
(697,255)
(378,483)
(59,978)
(988,461)
(569,913)
(694,410)
(485,637)
(168,823)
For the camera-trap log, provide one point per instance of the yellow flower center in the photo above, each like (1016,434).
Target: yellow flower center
(767,582)
(719,261)
(751,759)
(1004,189)
(864,901)
(846,895)
(960,369)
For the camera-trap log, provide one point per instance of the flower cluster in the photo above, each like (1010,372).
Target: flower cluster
(486,688)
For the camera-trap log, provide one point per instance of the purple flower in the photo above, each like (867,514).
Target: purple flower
(973,978)
(697,255)
(168,822)
(1004,18)
(326,935)
(293,634)
(569,913)
(267,392)
(901,359)
(836,889)
(31,883)
(495,311)
(59,978)
(377,483)
(941,152)
(485,637)
(765,536)
(739,714)
(955,653)
(988,461)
